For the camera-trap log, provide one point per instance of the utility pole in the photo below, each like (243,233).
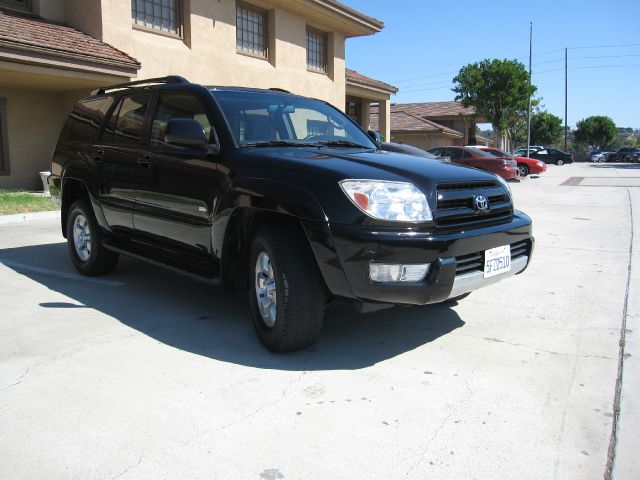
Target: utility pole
(565,98)
(529,110)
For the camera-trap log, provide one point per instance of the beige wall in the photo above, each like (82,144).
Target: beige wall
(208,54)
(34,120)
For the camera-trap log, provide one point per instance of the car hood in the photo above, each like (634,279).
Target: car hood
(339,164)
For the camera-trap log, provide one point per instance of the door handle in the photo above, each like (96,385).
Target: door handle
(144,161)
(97,157)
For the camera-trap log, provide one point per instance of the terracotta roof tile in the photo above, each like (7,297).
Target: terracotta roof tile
(435,109)
(402,121)
(357,78)
(23,31)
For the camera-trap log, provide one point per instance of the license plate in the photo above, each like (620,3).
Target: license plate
(497,260)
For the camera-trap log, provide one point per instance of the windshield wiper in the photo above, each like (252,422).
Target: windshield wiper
(279,143)
(342,143)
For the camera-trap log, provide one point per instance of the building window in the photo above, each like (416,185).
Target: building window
(316,50)
(18,4)
(251,30)
(163,15)
(4,146)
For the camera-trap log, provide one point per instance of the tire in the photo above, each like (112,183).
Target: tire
(84,237)
(560,162)
(523,170)
(286,289)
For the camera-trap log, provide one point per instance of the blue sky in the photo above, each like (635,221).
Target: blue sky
(424,44)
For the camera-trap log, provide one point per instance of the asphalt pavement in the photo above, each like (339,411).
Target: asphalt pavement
(146,374)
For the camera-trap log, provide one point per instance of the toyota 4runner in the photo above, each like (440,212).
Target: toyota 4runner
(278,194)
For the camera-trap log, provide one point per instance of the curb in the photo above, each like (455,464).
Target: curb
(27,217)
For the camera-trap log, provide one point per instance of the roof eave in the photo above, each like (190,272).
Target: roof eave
(359,23)
(391,91)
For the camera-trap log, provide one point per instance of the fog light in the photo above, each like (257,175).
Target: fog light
(394,272)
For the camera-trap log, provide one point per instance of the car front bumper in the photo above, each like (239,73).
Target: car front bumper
(355,247)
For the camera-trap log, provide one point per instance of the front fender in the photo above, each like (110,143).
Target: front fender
(271,195)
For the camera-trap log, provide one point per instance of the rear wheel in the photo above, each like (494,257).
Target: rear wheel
(83,242)
(523,170)
(560,162)
(286,290)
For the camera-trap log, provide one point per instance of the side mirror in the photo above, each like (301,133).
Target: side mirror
(375,136)
(185,131)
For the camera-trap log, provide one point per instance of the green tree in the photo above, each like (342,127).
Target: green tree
(497,89)
(518,126)
(546,128)
(598,131)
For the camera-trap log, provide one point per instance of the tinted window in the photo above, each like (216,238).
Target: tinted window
(125,125)
(85,120)
(453,153)
(177,105)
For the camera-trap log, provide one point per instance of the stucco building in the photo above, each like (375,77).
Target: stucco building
(53,52)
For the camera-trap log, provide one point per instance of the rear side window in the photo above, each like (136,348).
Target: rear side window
(126,122)
(85,120)
(177,105)
(453,153)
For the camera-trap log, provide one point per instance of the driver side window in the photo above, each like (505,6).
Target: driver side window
(173,105)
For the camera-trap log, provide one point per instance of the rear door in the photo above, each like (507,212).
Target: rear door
(120,153)
(175,206)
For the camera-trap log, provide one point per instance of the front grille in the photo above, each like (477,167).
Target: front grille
(474,262)
(467,185)
(455,203)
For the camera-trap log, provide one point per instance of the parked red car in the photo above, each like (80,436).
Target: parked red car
(525,165)
(505,167)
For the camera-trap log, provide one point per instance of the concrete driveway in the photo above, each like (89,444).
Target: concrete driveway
(145,374)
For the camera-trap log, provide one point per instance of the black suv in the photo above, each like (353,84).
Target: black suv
(277,194)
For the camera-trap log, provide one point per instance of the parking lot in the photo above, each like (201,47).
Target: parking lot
(145,374)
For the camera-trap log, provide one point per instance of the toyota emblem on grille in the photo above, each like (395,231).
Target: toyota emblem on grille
(481,202)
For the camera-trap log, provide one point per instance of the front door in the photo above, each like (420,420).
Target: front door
(176,207)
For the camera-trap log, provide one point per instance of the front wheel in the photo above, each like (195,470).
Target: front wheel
(523,170)
(560,162)
(83,242)
(286,289)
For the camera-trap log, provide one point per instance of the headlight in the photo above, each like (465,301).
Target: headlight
(393,201)
(506,186)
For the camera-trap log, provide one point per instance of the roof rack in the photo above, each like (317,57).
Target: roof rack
(169,79)
(276,89)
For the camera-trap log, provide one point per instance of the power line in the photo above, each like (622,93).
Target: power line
(605,46)
(582,47)
(589,67)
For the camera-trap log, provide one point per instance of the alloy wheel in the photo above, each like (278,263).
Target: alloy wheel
(82,237)
(265,285)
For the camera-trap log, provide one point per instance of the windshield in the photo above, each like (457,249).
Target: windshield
(498,153)
(264,119)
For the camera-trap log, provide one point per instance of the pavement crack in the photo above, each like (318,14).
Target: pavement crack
(452,411)
(130,467)
(246,417)
(611,453)
(550,352)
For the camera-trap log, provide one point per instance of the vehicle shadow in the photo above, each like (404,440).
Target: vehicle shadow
(206,320)
(621,166)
